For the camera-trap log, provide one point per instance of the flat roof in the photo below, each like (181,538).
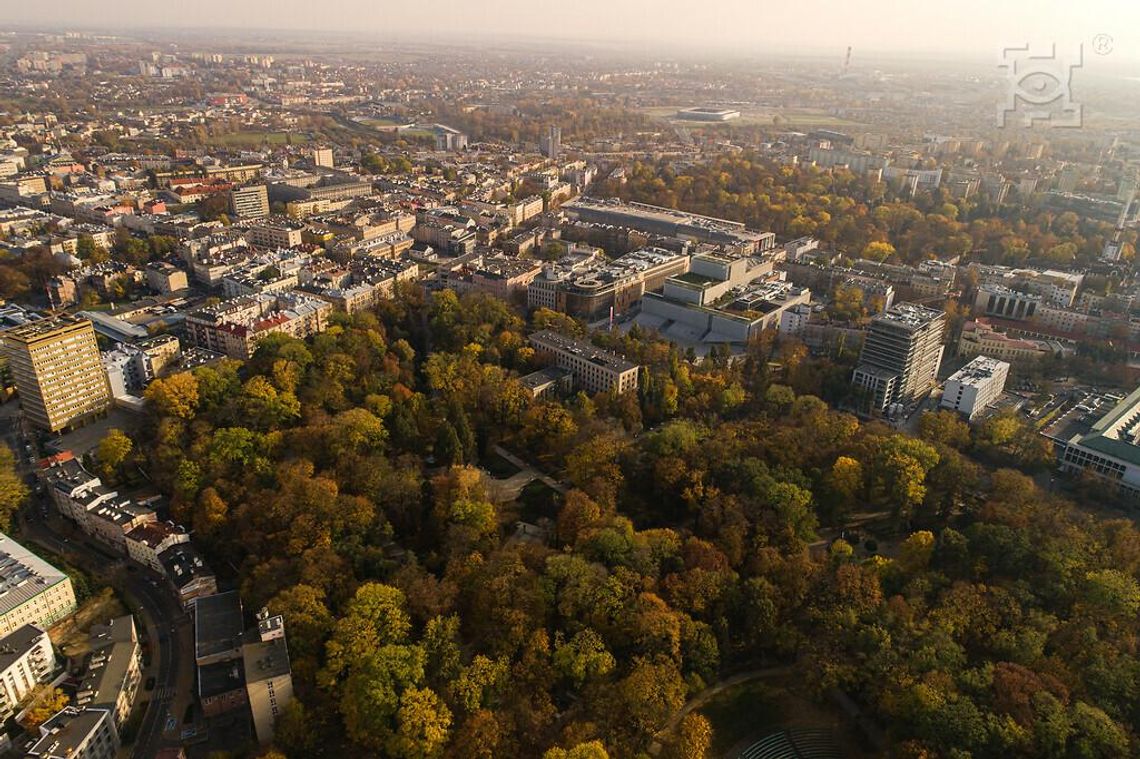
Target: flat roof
(557,341)
(264,660)
(23,575)
(217,624)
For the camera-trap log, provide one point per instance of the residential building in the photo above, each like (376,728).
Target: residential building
(191,577)
(58,372)
(975,386)
(900,356)
(26,661)
(323,157)
(551,143)
(146,542)
(114,669)
(277,232)
(31,590)
(250,202)
(73,733)
(595,370)
(165,278)
(268,675)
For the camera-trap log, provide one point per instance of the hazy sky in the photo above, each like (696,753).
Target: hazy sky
(978,28)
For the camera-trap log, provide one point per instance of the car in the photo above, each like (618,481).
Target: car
(150,683)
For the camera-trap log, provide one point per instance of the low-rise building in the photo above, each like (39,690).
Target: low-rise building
(31,590)
(73,733)
(595,370)
(971,389)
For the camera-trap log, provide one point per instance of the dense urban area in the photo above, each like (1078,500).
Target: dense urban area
(486,401)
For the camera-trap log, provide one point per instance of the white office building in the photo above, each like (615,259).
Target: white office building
(975,386)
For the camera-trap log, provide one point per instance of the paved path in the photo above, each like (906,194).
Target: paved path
(702,698)
(528,470)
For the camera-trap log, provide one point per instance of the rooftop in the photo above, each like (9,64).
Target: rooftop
(23,575)
(981,368)
(217,624)
(556,341)
(910,315)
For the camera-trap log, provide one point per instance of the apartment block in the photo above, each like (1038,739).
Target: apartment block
(114,669)
(26,660)
(77,734)
(58,372)
(268,675)
(250,202)
(31,590)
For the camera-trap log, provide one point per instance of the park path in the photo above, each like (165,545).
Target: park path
(702,698)
(527,471)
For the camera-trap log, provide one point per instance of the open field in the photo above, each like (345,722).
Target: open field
(791,118)
(255,139)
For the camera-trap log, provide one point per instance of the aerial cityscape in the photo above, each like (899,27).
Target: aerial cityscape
(611,380)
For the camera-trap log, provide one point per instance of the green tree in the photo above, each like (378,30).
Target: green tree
(13,491)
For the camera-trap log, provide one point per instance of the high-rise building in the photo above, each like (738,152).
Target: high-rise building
(58,371)
(323,157)
(551,143)
(250,202)
(901,354)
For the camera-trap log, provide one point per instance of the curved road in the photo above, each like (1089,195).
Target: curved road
(166,624)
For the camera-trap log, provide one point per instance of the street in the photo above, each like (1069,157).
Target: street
(167,626)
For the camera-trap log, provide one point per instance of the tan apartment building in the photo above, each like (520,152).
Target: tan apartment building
(58,371)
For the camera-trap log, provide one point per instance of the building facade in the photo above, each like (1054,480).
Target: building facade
(595,370)
(900,356)
(58,372)
(975,386)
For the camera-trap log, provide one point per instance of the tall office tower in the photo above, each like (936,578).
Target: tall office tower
(250,202)
(58,371)
(551,143)
(901,354)
(323,157)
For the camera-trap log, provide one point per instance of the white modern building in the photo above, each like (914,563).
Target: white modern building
(77,734)
(975,386)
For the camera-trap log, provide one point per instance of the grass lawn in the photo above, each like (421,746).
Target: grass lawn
(256,139)
(498,467)
(536,501)
(751,711)
(739,712)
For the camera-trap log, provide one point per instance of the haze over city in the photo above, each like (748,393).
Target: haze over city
(971,29)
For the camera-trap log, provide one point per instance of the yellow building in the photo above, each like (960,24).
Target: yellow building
(58,372)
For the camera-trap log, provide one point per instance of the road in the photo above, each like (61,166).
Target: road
(167,626)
